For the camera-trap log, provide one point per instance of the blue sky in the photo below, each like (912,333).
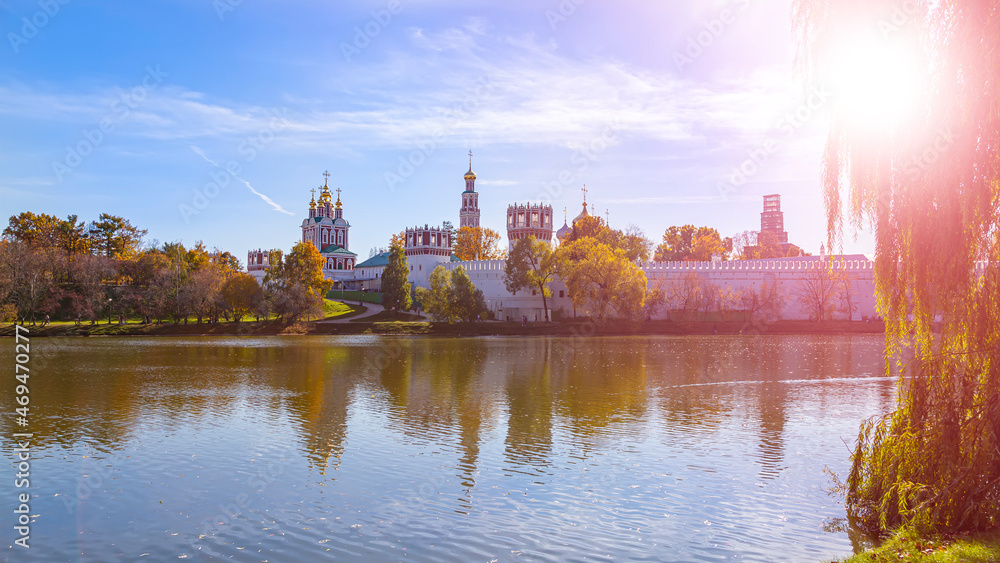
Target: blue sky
(137,108)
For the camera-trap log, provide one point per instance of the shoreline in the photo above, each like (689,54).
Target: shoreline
(583,328)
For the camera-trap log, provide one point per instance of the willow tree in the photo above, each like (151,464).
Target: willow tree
(913,153)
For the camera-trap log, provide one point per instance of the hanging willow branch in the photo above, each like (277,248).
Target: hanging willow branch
(929,187)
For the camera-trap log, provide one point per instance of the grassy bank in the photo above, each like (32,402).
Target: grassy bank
(909,546)
(379,325)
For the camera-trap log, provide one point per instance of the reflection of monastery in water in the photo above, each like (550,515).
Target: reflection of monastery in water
(430,246)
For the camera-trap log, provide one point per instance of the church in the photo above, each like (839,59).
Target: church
(430,246)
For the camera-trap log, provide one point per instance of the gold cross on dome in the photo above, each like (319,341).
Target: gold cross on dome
(313,192)
(585,194)
(326,175)
(338,193)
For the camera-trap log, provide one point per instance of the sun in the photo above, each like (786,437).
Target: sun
(877,82)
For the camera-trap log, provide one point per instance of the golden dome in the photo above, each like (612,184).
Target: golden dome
(582,214)
(470,175)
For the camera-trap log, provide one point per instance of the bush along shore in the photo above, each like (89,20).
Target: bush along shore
(490,328)
(908,545)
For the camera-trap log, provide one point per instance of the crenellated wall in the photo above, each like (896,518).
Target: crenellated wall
(736,275)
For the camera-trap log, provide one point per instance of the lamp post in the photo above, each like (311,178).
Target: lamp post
(109,311)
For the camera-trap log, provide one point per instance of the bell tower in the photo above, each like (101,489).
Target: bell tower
(469,214)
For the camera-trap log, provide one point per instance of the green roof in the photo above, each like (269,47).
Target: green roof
(334,249)
(375,261)
(455,258)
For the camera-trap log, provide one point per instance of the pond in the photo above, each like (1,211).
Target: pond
(698,448)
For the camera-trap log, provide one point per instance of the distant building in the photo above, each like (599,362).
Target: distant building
(772,219)
(772,222)
(468,216)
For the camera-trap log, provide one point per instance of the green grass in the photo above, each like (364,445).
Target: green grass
(386,316)
(400,328)
(909,546)
(336,309)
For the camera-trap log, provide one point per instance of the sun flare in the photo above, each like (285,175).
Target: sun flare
(877,82)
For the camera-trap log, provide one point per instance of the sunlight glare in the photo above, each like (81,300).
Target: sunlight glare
(876,82)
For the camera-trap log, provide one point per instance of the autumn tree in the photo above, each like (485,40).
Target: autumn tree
(478,243)
(818,292)
(602,280)
(297,282)
(241,295)
(114,236)
(531,265)
(692,243)
(926,179)
(763,301)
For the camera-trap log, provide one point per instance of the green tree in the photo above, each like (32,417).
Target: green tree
(928,182)
(395,288)
(531,265)
(467,302)
(436,300)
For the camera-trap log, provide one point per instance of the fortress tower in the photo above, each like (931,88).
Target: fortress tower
(529,220)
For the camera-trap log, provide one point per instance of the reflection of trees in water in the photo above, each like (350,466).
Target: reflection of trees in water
(99,392)
(601,382)
(528,389)
(684,375)
(321,378)
(435,387)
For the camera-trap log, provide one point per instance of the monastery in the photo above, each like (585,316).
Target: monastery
(429,246)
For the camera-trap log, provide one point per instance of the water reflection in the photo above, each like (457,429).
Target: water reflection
(611,434)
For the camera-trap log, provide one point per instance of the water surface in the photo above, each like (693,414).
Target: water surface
(701,448)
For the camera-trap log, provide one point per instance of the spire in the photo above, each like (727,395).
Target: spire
(470,176)
(312,202)
(338,198)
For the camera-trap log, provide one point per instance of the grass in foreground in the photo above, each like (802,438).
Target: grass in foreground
(338,310)
(908,546)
